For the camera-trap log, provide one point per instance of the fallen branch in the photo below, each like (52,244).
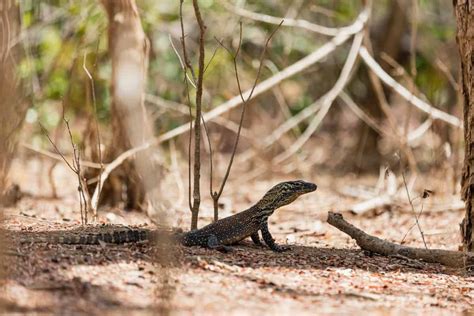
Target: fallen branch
(450,258)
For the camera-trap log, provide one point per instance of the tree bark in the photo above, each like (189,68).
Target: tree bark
(12,110)
(464,12)
(12,107)
(128,50)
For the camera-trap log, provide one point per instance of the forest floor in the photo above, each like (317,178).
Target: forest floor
(324,271)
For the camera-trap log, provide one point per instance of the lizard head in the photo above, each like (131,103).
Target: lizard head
(285,192)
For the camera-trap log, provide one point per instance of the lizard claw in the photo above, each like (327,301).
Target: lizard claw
(213,243)
(281,248)
(225,249)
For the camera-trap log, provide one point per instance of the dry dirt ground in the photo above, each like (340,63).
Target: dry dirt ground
(324,272)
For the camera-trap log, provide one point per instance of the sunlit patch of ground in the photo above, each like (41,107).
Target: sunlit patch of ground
(324,272)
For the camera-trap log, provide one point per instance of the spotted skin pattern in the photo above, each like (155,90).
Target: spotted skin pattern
(218,235)
(232,229)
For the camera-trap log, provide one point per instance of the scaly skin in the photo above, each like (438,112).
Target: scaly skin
(248,223)
(218,235)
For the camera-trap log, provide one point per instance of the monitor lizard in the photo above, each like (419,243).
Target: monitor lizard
(217,235)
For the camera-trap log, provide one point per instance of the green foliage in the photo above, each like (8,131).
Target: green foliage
(59,33)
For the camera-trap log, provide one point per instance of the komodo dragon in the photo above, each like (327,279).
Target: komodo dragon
(226,231)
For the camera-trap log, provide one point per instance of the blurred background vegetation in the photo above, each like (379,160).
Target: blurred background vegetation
(62,36)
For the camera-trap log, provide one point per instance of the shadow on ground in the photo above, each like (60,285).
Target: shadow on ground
(245,254)
(46,268)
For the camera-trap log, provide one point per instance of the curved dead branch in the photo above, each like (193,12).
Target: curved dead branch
(299,23)
(450,258)
(405,93)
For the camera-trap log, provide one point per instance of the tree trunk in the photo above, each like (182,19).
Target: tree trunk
(128,50)
(464,11)
(12,108)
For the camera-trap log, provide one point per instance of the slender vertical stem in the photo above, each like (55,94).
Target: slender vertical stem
(197,119)
(187,66)
(216,195)
(413,209)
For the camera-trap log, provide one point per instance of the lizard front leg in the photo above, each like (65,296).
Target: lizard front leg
(267,237)
(256,239)
(213,243)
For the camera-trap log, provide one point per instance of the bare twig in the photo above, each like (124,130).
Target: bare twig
(211,59)
(366,118)
(84,197)
(99,147)
(184,109)
(45,132)
(54,156)
(216,195)
(187,66)
(419,131)
(111,167)
(400,140)
(414,30)
(197,120)
(75,166)
(326,100)
(183,66)
(183,43)
(299,23)
(442,66)
(264,86)
(413,209)
(411,227)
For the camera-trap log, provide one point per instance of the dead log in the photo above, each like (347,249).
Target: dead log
(455,259)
